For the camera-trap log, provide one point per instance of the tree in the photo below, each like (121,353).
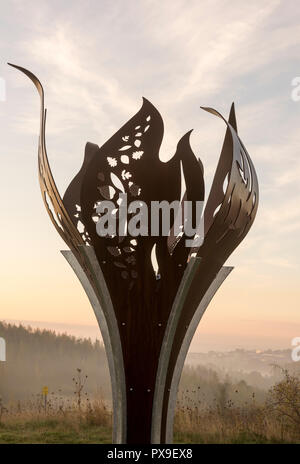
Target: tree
(284,400)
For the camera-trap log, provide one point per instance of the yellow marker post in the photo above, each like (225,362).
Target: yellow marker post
(45,392)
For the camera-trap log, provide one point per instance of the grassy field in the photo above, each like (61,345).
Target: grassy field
(92,425)
(54,431)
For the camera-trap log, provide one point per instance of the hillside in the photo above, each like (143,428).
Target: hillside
(35,358)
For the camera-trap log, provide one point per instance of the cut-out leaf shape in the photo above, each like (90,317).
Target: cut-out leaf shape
(225,183)
(118,264)
(112,161)
(130,260)
(115,251)
(125,159)
(117,182)
(137,155)
(80,227)
(126,175)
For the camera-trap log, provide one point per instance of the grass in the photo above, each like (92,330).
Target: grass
(93,426)
(57,431)
(231,424)
(243,438)
(52,431)
(62,422)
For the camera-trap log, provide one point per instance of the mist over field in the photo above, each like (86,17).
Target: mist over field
(36,358)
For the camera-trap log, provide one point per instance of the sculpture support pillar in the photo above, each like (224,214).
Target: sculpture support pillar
(104,313)
(110,334)
(215,285)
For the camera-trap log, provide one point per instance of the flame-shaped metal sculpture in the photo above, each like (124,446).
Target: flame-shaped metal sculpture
(148,318)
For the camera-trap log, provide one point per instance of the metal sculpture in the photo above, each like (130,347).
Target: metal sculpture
(147,317)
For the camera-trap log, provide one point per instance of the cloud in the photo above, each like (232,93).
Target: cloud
(98,60)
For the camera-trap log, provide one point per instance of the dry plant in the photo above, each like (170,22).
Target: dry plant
(79,410)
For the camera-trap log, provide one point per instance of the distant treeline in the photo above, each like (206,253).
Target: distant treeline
(37,358)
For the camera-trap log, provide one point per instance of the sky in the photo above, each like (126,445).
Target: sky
(96,59)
